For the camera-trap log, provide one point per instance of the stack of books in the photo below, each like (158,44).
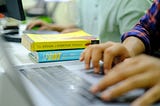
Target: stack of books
(57,47)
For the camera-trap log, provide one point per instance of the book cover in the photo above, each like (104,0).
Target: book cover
(57,55)
(73,40)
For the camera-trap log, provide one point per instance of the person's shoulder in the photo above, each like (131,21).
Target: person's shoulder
(135,4)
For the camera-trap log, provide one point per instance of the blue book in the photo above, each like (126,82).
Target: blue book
(56,55)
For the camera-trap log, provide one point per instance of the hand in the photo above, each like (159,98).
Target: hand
(55,27)
(110,53)
(138,72)
(41,24)
(68,30)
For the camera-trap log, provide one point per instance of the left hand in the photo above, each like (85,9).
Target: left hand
(68,30)
(138,72)
(110,53)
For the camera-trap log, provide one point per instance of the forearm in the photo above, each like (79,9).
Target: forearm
(61,28)
(134,45)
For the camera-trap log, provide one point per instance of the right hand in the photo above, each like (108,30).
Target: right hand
(110,53)
(141,71)
(41,24)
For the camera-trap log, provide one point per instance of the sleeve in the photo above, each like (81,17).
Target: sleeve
(130,11)
(148,28)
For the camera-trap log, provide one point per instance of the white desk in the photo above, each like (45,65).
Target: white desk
(9,96)
(20,54)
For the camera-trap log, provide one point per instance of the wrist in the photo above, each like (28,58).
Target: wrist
(56,27)
(134,46)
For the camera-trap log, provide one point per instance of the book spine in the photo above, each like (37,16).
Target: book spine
(26,41)
(60,55)
(59,45)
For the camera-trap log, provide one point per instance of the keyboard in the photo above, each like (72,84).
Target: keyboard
(62,86)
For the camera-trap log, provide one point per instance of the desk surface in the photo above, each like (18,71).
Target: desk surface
(8,93)
(20,54)
(7,90)
(9,96)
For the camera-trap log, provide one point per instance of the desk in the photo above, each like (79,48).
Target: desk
(9,96)
(20,54)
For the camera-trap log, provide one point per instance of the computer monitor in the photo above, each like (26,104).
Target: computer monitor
(12,8)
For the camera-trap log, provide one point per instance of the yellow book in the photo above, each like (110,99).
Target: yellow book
(73,40)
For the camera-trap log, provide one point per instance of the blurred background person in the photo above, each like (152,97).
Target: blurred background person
(107,19)
(138,71)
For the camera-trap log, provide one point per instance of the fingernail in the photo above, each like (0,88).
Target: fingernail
(96,70)
(80,58)
(94,89)
(87,66)
(106,71)
(136,103)
(106,96)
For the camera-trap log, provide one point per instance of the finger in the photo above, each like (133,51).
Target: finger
(106,81)
(107,59)
(35,23)
(105,46)
(92,53)
(111,53)
(87,56)
(149,97)
(82,56)
(137,81)
(119,73)
(42,28)
(97,54)
(31,25)
(100,54)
